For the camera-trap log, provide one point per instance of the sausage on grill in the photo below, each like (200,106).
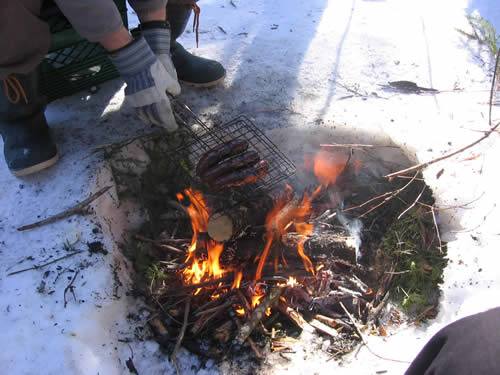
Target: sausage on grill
(247,158)
(219,153)
(242,176)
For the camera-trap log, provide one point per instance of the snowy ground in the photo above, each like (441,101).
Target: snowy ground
(289,63)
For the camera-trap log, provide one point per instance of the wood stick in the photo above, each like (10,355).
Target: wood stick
(258,314)
(358,330)
(216,308)
(323,328)
(46,264)
(296,317)
(213,302)
(212,313)
(158,327)
(160,245)
(78,209)
(330,322)
(181,335)
(70,287)
(249,339)
(421,166)
(492,90)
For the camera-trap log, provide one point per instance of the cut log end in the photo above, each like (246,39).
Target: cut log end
(220,227)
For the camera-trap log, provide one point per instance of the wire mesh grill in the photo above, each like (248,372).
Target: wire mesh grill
(206,138)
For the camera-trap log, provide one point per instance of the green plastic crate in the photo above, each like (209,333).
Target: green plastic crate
(73,63)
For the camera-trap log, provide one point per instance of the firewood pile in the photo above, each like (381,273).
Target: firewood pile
(231,296)
(233,277)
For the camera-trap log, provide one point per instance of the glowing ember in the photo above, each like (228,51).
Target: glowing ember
(292,281)
(240,311)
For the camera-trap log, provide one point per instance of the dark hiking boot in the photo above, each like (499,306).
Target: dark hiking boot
(191,70)
(28,145)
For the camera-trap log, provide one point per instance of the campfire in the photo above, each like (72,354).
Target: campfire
(227,271)
(284,260)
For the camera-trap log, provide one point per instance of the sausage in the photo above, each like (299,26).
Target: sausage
(220,152)
(241,176)
(226,166)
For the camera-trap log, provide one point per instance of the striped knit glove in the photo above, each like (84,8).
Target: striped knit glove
(157,34)
(147,83)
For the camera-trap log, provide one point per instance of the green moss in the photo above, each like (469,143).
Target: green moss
(412,247)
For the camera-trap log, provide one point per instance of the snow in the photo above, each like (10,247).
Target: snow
(288,64)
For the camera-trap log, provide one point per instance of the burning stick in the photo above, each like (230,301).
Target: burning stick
(341,246)
(258,314)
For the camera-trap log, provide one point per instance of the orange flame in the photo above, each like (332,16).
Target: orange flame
(282,216)
(306,230)
(256,300)
(237,280)
(328,165)
(199,269)
(240,311)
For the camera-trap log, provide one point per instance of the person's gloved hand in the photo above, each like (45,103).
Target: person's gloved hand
(158,36)
(147,83)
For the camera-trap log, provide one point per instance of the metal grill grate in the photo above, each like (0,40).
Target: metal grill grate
(205,138)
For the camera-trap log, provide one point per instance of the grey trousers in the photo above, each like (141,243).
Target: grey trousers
(25,37)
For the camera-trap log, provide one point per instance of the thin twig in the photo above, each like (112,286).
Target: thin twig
(392,195)
(413,204)
(160,245)
(70,287)
(354,145)
(363,337)
(78,209)
(421,166)
(181,335)
(492,89)
(437,230)
(45,264)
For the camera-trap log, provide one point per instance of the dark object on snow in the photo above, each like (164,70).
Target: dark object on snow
(96,247)
(469,346)
(409,86)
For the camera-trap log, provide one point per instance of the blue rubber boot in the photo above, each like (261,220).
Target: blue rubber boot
(28,144)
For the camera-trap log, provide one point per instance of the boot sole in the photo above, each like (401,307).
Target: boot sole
(205,85)
(36,168)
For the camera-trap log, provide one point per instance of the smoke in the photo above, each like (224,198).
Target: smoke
(354,227)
